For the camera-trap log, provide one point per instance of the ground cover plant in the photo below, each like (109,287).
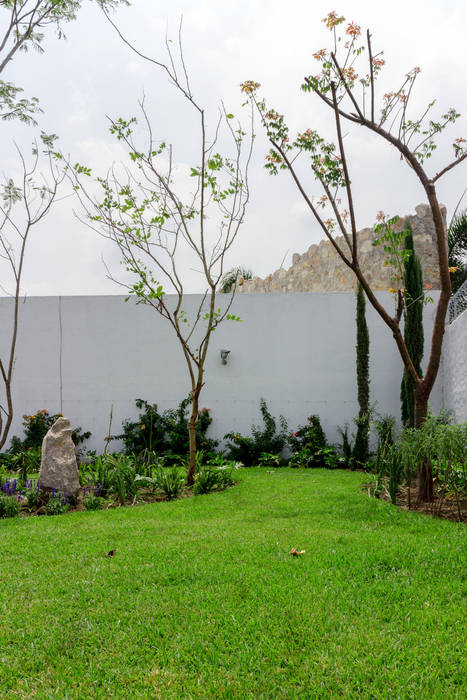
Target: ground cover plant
(200,598)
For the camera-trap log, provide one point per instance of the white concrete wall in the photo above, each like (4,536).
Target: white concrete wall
(81,355)
(455,368)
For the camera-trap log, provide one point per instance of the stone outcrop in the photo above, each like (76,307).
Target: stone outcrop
(320,269)
(59,470)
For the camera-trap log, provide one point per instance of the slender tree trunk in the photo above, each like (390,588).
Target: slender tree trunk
(190,477)
(9,416)
(425,472)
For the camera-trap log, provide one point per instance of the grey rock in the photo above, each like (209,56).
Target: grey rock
(329,273)
(423,210)
(59,470)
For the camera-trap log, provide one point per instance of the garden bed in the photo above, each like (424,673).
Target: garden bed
(143,497)
(441,507)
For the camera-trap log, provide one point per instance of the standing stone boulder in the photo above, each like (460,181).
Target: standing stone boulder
(59,470)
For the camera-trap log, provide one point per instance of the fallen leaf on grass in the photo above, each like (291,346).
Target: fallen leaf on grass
(295,552)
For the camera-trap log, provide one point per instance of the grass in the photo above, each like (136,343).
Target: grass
(202,599)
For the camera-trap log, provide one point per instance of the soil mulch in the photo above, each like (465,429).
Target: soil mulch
(446,507)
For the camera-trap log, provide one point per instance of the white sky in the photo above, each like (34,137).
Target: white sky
(92,74)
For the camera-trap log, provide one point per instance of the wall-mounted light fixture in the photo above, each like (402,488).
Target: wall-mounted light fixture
(224,356)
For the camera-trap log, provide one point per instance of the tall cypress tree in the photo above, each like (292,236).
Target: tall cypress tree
(361,447)
(413,326)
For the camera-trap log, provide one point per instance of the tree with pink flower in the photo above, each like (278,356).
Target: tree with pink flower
(346,85)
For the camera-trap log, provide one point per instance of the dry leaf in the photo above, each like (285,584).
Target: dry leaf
(295,552)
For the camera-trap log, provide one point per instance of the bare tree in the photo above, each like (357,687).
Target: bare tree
(25,23)
(23,204)
(146,212)
(352,97)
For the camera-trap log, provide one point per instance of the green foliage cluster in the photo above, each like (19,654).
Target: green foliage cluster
(9,506)
(33,498)
(57,504)
(346,446)
(169,480)
(310,448)
(387,464)
(164,433)
(215,474)
(443,446)
(457,249)
(111,474)
(269,459)
(248,449)
(93,502)
(310,436)
(230,277)
(23,462)
(437,443)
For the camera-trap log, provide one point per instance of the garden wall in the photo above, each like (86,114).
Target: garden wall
(81,355)
(455,368)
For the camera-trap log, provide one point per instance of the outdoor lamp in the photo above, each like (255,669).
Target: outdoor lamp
(224,356)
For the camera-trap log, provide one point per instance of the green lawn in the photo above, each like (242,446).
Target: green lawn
(202,599)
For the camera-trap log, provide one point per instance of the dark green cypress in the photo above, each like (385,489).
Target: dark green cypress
(413,326)
(361,448)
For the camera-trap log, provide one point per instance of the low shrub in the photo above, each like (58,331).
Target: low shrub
(176,421)
(346,447)
(170,480)
(443,446)
(25,461)
(10,506)
(215,474)
(248,449)
(310,436)
(57,504)
(166,433)
(437,444)
(270,460)
(206,479)
(326,457)
(35,429)
(310,449)
(98,474)
(122,476)
(93,502)
(32,494)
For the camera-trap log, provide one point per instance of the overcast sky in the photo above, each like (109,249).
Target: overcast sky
(92,74)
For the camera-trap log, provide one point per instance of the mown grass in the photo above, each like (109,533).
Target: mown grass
(202,599)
